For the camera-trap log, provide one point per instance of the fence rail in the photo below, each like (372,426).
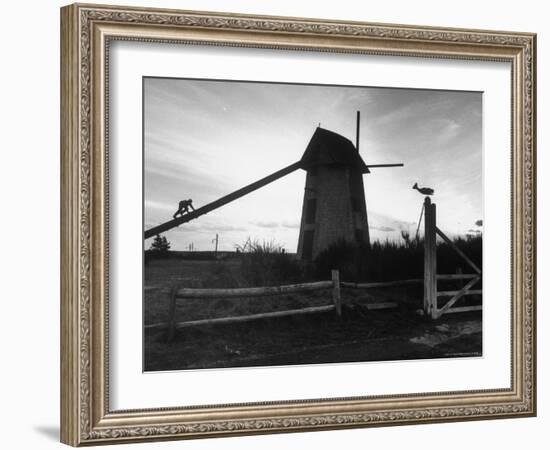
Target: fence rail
(253,292)
(452,293)
(456,276)
(346,284)
(245,318)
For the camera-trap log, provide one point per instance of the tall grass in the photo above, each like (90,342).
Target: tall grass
(390,260)
(256,247)
(266,263)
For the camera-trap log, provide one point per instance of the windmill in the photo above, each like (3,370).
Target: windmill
(334,204)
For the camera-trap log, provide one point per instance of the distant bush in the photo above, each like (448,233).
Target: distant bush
(160,244)
(159,249)
(390,260)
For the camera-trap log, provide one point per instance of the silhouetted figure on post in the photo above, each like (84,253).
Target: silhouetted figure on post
(183,207)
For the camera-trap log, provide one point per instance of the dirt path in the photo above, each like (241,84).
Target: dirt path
(379,336)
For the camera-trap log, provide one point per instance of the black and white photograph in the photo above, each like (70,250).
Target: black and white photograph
(302,224)
(275,225)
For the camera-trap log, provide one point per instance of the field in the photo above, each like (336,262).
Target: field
(361,334)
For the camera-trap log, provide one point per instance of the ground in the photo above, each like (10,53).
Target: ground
(359,334)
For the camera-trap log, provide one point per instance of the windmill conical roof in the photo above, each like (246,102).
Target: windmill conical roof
(328,148)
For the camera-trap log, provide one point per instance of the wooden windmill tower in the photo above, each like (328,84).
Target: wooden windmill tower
(334,206)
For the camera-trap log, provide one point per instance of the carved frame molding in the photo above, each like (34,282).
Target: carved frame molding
(86,32)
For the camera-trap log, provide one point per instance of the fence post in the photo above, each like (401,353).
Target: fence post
(434,262)
(172,314)
(336,297)
(430,259)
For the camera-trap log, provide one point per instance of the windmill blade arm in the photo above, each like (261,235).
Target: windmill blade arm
(384,165)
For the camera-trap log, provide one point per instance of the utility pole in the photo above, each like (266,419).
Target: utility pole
(216,248)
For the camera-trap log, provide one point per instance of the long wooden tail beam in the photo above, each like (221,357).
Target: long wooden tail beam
(220,202)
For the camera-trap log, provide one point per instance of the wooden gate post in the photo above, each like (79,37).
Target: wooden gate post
(336,296)
(430,259)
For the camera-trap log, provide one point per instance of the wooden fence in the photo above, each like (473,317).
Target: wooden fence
(336,303)
(187,293)
(431,294)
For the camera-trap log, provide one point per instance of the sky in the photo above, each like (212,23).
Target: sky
(204,139)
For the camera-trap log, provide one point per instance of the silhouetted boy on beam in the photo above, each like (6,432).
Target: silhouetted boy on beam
(183,207)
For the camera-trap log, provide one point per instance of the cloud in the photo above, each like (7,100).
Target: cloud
(159,205)
(267,224)
(381,220)
(276,224)
(208,228)
(200,227)
(383,228)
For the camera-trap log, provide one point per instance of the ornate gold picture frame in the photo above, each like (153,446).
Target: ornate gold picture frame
(87,32)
